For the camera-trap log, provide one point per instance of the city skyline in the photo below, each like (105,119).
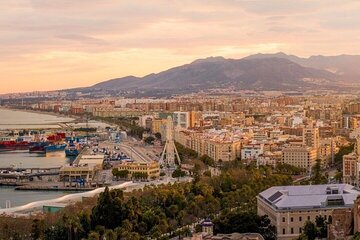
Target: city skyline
(64,44)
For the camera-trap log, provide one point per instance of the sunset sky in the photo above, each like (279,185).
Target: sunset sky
(56,44)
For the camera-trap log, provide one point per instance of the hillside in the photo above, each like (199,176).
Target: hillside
(268,73)
(346,67)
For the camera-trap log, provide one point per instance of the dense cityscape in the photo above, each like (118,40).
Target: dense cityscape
(180,120)
(280,165)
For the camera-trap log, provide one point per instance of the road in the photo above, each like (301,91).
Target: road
(133,149)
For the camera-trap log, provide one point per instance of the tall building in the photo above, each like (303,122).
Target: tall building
(289,207)
(299,156)
(311,137)
(351,166)
(181,119)
(195,119)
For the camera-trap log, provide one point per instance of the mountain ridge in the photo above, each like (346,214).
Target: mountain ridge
(253,72)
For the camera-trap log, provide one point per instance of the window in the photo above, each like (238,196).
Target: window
(291,219)
(300,219)
(309,218)
(283,219)
(292,230)
(300,230)
(284,231)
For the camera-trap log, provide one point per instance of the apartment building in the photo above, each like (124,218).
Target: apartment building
(218,146)
(181,119)
(289,207)
(158,125)
(299,156)
(351,165)
(311,138)
(251,151)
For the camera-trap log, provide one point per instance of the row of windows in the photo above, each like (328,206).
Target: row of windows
(300,218)
(291,231)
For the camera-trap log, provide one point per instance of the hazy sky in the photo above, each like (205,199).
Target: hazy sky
(52,44)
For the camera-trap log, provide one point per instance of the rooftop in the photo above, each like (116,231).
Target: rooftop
(310,196)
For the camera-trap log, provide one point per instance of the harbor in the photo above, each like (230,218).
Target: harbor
(41,163)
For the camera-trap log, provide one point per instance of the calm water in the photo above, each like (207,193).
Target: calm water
(19,120)
(23,159)
(10,119)
(19,198)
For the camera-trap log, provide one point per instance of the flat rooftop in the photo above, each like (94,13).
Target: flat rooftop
(310,196)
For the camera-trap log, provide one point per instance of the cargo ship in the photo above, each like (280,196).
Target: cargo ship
(71,150)
(38,147)
(55,147)
(14,145)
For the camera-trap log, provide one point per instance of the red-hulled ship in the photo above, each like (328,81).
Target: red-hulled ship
(13,145)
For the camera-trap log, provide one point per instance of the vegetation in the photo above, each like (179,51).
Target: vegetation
(158,136)
(315,230)
(317,176)
(207,160)
(185,153)
(149,140)
(356,236)
(123,174)
(140,176)
(338,158)
(178,173)
(242,222)
(154,211)
(289,169)
(84,129)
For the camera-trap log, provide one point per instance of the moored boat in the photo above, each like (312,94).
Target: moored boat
(38,147)
(55,147)
(71,150)
(14,145)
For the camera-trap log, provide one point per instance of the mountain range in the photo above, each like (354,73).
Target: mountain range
(277,71)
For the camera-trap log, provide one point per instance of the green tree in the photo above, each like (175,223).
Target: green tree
(108,212)
(207,160)
(356,236)
(149,140)
(243,222)
(38,228)
(344,150)
(310,230)
(178,173)
(321,225)
(158,136)
(55,232)
(317,176)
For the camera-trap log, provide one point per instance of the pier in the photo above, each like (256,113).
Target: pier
(11,175)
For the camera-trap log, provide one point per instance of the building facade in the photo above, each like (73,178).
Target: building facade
(151,170)
(289,207)
(299,156)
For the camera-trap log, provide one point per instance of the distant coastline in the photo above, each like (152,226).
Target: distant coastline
(74,118)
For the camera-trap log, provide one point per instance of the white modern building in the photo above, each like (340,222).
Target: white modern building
(181,119)
(251,151)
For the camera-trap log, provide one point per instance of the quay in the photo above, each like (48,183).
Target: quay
(53,188)
(23,174)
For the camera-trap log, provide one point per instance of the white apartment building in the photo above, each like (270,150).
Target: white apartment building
(181,119)
(251,151)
